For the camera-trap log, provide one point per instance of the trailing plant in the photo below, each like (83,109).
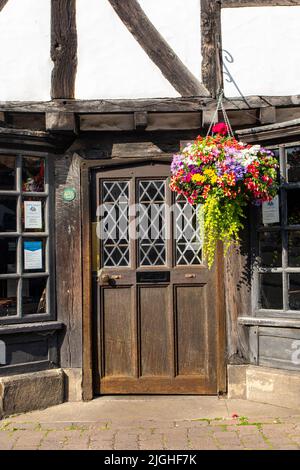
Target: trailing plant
(223,175)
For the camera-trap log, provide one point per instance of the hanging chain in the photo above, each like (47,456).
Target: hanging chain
(220,107)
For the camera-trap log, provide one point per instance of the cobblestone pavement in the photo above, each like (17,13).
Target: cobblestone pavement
(29,432)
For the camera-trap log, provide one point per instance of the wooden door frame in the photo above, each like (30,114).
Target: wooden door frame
(87,308)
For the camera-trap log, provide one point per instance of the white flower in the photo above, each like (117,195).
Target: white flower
(187,148)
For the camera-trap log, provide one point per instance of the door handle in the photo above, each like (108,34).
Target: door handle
(190,276)
(106,278)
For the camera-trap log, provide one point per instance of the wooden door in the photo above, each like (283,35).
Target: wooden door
(157,303)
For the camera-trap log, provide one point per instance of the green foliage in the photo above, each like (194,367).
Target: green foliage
(220,220)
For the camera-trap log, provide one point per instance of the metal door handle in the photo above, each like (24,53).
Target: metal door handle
(106,278)
(190,276)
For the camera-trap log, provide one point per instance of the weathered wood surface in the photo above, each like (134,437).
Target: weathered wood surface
(126,122)
(150,105)
(2,4)
(129,145)
(267,115)
(258,3)
(63,48)
(237,278)
(38,140)
(211,46)
(68,260)
(60,122)
(157,48)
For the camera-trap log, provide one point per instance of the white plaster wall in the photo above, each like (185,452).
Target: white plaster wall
(265,45)
(111,64)
(25,64)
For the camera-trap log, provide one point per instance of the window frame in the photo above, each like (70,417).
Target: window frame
(283,228)
(48,234)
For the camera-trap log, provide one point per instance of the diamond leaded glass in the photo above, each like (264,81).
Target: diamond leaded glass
(152,240)
(188,240)
(115,223)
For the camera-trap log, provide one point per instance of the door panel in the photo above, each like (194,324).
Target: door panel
(117,336)
(191,329)
(154,348)
(157,312)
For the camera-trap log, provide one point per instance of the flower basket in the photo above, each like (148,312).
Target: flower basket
(223,175)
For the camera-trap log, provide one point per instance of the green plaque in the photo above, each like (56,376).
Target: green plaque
(69,194)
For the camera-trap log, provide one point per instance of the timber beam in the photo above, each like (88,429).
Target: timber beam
(154,105)
(259,3)
(2,4)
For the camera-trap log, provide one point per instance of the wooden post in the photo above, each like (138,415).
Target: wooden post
(211,46)
(63,48)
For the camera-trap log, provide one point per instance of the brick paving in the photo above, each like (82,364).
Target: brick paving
(191,434)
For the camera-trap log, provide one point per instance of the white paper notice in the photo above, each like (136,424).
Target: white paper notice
(33,258)
(33,214)
(270,211)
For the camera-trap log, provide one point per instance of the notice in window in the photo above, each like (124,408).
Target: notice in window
(33,214)
(33,258)
(270,211)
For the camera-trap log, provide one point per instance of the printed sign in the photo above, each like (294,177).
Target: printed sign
(33,258)
(33,214)
(270,211)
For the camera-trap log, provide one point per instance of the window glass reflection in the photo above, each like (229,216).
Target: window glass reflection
(271,291)
(294,291)
(8,214)
(7,173)
(33,171)
(270,249)
(34,296)
(293,164)
(8,255)
(8,297)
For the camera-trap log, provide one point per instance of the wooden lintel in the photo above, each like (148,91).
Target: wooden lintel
(207,117)
(157,48)
(141,120)
(63,48)
(2,4)
(60,121)
(211,46)
(154,105)
(267,115)
(259,3)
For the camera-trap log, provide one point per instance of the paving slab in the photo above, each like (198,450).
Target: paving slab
(154,423)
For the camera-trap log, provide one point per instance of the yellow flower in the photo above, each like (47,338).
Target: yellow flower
(198,178)
(211,174)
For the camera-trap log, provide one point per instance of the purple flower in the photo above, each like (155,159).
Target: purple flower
(176,163)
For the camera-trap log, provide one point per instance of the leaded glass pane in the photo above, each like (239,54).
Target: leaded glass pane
(151,223)
(115,223)
(187,230)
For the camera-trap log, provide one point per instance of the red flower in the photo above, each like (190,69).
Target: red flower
(220,128)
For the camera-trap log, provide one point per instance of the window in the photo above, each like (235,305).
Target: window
(25,281)
(277,276)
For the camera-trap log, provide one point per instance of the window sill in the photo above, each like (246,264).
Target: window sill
(30,327)
(276,322)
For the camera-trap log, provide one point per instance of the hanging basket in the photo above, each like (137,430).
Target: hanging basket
(223,175)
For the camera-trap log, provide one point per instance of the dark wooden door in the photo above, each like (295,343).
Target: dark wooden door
(158,304)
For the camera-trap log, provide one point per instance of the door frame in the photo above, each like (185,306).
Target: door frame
(87,168)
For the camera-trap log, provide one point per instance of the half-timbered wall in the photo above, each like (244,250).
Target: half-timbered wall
(111,64)
(264,45)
